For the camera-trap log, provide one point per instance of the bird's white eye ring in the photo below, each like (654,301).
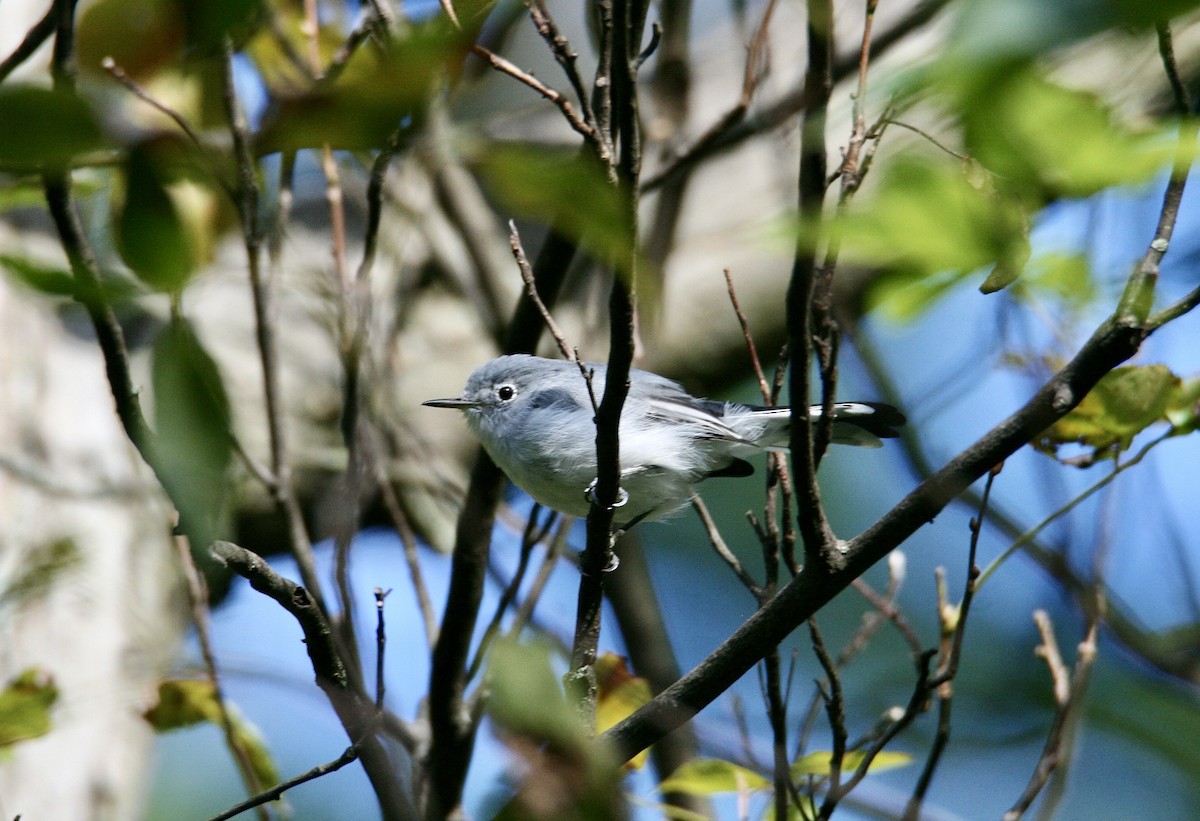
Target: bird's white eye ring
(506,392)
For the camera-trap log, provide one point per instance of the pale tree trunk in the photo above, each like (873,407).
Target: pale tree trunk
(104,624)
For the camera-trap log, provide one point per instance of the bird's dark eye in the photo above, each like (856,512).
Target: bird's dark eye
(506,392)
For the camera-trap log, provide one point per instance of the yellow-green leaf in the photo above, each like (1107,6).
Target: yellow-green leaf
(620,694)
(1123,404)
(817,763)
(186,702)
(707,776)
(25,706)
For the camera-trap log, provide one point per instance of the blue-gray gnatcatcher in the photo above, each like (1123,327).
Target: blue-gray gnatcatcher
(535,419)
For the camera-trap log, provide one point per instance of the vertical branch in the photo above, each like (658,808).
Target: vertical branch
(627,18)
(819,541)
(262,295)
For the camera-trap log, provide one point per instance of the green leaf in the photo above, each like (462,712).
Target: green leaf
(150,233)
(527,698)
(1045,140)
(1123,404)
(708,776)
(25,707)
(44,129)
(817,763)
(378,92)
(192,418)
(48,280)
(209,23)
(1067,277)
(560,187)
(187,702)
(141,36)
(929,226)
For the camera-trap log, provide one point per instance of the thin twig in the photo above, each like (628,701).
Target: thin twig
(954,625)
(722,549)
(820,544)
(532,535)
(518,251)
(118,74)
(1069,689)
(1029,536)
(408,540)
(380,645)
(198,599)
(262,293)
(350,754)
(566,57)
(512,70)
(835,708)
(31,42)
(763,387)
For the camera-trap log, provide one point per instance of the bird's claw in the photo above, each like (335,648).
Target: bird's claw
(589,493)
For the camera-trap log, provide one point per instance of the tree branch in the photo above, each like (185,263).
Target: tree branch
(1113,343)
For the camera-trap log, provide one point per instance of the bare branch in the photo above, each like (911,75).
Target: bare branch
(514,241)
(564,105)
(722,549)
(350,754)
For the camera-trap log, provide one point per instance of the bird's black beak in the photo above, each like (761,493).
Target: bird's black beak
(461,404)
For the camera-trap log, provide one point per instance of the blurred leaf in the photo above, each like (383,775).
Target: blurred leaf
(1067,277)
(1123,404)
(1147,15)
(25,707)
(142,36)
(560,187)
(43,279)
(928,226)
(39,570)
(1183,407)
(277,67)
(526,697)
(21,192)
(620,694)
(209,22)
(1045,140)
(44,129)
(708,776)
(817,763)
(192,418)
(150,233)
(566,773)
(378,92)
(186,702)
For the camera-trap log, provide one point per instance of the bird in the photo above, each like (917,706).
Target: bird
(535,417)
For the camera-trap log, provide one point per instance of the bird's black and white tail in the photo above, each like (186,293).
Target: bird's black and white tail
(862,424)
